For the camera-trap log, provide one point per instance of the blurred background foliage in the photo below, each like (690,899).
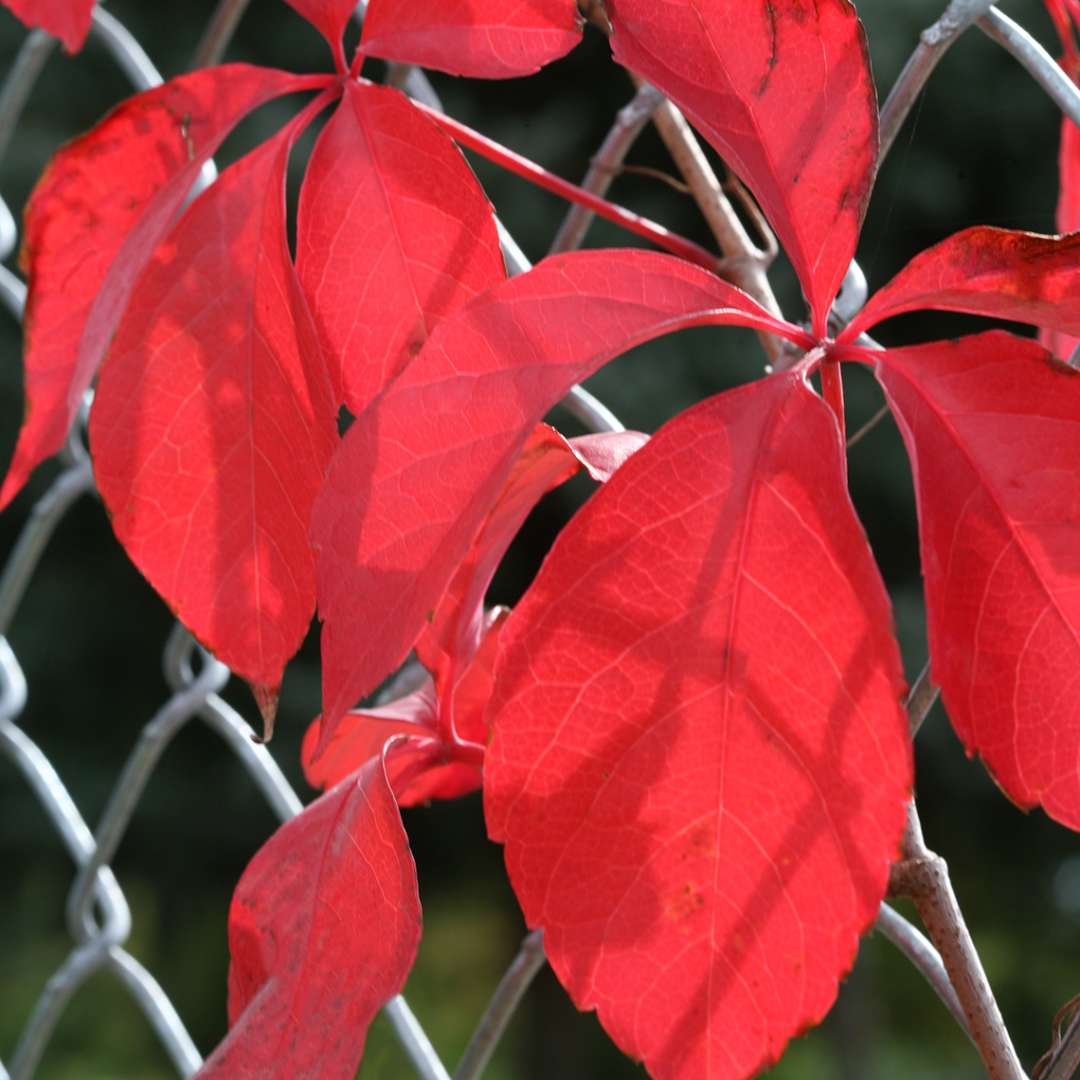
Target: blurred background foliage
(980,148)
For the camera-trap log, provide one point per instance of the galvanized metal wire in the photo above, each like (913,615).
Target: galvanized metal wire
(98,915)
(97,912)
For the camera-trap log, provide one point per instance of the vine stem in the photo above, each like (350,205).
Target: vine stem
(508,994)
(629,123)
(535,174)
(745,265)
(923,876)
(832,389)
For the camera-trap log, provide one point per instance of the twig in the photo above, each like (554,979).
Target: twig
(924,877)
(1038,63)
(512,986)
(1062,1060)
(218,33)
(934,42)
(745,265)
(921,699)
(629,123)
(655,174)
(914,945)
(868,426)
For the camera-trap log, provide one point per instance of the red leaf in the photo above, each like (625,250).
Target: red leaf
(418,472)
(93,221)
(700,763)
(418,772)
(1058,11)
(992,426)
(329,17)
(482,38)
(394,232)
(458,646)
(985,271)
(323,929)
(68,20)
(545,461)
(784,93)
(1068,218)
(213,423)
(1068,206)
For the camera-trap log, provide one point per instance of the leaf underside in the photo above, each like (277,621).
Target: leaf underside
(323,929)
(785,95)
(213,423)
(699,763)
(992,426)
(485,39)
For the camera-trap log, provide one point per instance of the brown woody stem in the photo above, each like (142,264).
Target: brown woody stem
(629,122)
(745,265)
(923,876)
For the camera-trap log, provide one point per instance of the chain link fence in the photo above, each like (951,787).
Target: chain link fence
(98,916)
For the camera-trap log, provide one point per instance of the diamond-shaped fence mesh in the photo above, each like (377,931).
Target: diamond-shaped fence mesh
(97,912)
(98,916)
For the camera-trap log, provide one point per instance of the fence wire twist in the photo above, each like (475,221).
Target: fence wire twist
(97,912)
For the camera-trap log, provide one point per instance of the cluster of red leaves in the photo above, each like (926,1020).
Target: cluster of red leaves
(689,734)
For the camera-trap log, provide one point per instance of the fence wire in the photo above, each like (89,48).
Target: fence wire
(98,916)
(97,912)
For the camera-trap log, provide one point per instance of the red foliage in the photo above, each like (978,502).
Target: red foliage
(698,759)
(69,20)
(483,38)
(323,929)
(700,762)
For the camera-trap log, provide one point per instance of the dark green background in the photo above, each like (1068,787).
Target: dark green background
(980,148)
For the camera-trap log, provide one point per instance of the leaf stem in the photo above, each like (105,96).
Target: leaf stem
(218,33)
(868,427)
(934,42)
(535,174)
(832,389)
(508,994)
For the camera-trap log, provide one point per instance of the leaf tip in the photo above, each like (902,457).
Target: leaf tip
(266,697)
